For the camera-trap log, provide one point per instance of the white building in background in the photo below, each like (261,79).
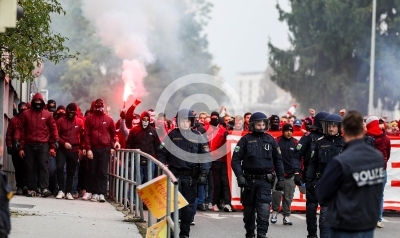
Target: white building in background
(258,93)
(247,85)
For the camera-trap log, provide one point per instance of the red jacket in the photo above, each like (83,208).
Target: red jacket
(382,143)
(99,131)
(71,131)
(216,140)
(11,130)
(37,127)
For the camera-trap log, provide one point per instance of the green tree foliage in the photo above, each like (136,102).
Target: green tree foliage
(97,73)
(33,39)
(328,64)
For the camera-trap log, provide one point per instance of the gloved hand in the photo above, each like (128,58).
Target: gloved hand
(10,150)
(122,115)
(280,185)
(202,180)
(89,154)
(297,179)
(52,152)
(242,182)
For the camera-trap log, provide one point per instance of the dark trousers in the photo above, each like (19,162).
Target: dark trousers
(311,216)
(221,183)
(52,169)
(256,197)
(71,159)
(98,171)
(83,174)
(188,189)
(36,159)
(20,170)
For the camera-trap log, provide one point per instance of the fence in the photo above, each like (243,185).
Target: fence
(125,173)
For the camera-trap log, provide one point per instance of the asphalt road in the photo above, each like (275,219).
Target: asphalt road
(221,224)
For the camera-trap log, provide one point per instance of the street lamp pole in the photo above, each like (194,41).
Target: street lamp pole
(372,62)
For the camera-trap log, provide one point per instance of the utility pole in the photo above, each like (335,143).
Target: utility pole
(372,62)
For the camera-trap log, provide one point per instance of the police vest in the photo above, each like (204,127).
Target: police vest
(357,204)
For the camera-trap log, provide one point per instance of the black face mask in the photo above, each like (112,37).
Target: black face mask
(37,106)
(214,122)
(21,110)
(71,115)
(60,114)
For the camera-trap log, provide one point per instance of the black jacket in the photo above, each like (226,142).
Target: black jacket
(257,154)
(352,188)
(184,149)
(144,139)
(304,149)
(288,147)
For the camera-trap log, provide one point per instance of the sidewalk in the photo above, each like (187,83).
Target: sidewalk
(50,217)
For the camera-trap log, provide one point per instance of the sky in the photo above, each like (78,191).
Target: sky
(238,34)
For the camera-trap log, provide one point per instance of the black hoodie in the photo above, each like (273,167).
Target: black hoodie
(145,139)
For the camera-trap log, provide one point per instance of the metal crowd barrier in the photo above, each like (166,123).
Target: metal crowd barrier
(124,175)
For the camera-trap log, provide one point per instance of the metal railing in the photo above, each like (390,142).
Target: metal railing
(124,174)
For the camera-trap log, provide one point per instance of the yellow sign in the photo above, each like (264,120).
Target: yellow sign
(154,196)
(158,230)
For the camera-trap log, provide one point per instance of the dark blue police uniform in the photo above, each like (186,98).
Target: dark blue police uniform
(186,153)
(254,157)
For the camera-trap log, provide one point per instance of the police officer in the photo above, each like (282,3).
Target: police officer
(326,147)
(303,153)
(350,178)
(187,154)
(253,160)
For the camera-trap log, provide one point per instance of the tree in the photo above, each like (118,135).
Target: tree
(97,73)
(328,64)
(33,39)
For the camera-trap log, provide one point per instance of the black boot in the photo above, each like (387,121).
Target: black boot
(250,234)
(261,235)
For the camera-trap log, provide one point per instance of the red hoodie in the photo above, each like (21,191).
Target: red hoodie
(71,131)
(12,129)
(37,126)
(99,131)
(382,141)
(217,139)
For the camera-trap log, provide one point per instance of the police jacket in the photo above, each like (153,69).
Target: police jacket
(369,140)
(257,154)
(304,149)
(326,148)
(352,188)
(183,150)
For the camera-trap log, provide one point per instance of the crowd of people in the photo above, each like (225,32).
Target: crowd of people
(60,151)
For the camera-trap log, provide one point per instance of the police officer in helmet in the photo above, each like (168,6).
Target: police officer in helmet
(254,158)
(303,154)
(326,147)
(187,154)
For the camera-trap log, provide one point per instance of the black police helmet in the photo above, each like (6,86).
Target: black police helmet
(258,116)
(329,120)
(185,113)
(318,119)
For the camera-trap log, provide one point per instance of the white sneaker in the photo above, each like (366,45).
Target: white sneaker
(215,208)
(286,221)
(209,206)
(60,195)
(95,198)
(101,198)
(379,224)
(69,196)
(274,217)
(87,196)
(227,208)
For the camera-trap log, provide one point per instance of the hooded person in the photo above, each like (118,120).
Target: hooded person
(12,150)
(100,139)
(152,115)
(38,136)
(59,112)
(145,138)
(382,143)
(51,106)
(71,132)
